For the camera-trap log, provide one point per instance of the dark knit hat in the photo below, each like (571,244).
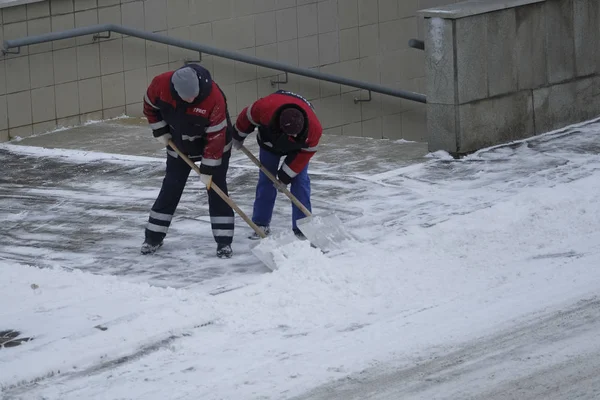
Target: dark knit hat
(186,83)
(291,121)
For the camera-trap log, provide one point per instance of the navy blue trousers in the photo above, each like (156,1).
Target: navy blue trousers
(266,193)
(221,214)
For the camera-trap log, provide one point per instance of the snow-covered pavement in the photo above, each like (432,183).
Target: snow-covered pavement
(472,275)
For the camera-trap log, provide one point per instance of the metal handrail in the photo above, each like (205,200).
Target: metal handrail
(188,44)
(416,44)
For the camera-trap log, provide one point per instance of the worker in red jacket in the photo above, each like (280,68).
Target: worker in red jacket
(287,127)
(188,107)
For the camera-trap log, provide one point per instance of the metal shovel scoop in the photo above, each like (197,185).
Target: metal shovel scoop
(324,231)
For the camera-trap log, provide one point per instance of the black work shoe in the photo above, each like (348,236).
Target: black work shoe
(224,251)
(256,236)
(149,248)
(299,234)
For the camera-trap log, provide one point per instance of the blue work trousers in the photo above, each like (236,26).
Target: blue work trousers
(266,193)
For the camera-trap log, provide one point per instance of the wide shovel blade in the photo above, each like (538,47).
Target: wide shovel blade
(325,231)
(268,250)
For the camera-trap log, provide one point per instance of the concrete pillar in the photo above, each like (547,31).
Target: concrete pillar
(501,70)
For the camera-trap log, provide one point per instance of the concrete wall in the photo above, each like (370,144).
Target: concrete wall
(500,70)
(70,81)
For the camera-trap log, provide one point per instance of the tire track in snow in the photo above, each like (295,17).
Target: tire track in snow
(516,363)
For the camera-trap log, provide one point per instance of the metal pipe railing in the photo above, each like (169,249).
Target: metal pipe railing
(188,44)
(416,44)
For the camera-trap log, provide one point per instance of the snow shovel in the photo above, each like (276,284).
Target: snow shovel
(265,253)
(324,231)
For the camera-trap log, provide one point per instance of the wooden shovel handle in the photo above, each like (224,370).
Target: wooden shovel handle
(218,190)
(275,181)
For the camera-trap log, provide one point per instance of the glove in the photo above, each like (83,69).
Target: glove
(164,139)
(207,180)
(284,178)
(237,144)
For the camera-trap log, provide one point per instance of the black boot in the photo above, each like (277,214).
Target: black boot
(224,251)
(256,236)
(150,248)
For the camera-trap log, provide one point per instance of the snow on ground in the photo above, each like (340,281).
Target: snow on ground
(451,251)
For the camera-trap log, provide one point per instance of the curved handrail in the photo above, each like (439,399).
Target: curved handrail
(188,44)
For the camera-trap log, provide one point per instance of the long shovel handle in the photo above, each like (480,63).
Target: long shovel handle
(275,181)
(218,190)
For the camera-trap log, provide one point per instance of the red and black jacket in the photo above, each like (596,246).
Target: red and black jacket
(199,129)
(264,114)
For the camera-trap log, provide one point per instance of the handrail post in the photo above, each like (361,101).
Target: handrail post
(416,44)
